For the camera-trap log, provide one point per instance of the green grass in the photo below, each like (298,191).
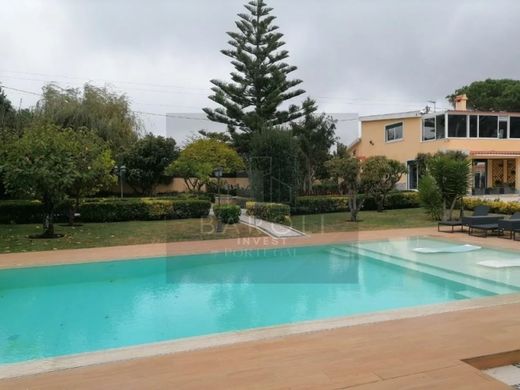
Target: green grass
(14,238)
(369,220)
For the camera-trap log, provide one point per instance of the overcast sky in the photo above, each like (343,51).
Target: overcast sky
(354,56)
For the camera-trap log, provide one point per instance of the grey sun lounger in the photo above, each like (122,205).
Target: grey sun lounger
(480,217)
(483,230)
(509,225)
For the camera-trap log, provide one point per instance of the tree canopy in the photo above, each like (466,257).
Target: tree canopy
(93,164)
(260,83)
(146,162)
(274,164)
(7,111)
(380,176)
(198,160)
(347,169)
(452,174)
(491,95)
(106,113)
(316,135)
(41,165)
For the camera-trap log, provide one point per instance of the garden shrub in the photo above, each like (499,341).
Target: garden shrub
(109,210)
(395,200)
(319,204)
(21,211)
(273,212)
(430,197)
(333,204)
(193,208)
(228,213)
(495,206)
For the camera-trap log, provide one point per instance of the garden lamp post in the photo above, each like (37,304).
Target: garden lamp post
(218,174)
(120,172)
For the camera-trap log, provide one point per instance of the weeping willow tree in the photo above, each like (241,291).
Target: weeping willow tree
(260,83)
(98,109)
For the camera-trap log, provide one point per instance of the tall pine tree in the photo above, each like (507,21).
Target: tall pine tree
(251,101)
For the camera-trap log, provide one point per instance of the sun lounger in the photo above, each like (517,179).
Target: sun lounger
(480,216)
(452,224)
(509,225)
(482,230)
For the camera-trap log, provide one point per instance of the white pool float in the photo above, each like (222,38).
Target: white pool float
(500,263)
(449,249)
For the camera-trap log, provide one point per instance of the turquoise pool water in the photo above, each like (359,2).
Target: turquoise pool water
(60,310)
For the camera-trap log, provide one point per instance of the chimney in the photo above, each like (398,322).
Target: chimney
(460,102)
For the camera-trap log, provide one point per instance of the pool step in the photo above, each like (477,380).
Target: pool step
(469,294)
(341,252)
(478,283)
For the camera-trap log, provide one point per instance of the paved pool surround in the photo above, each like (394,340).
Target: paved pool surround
(151,366)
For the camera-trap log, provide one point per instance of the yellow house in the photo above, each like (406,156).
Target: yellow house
(490,139)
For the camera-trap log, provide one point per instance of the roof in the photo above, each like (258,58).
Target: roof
(353,143)
(495,153)
(396,115)
(476,112)
(416,114)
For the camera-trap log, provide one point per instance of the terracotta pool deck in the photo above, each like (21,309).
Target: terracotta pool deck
(425,352)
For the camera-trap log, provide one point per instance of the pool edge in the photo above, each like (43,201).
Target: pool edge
(13,370)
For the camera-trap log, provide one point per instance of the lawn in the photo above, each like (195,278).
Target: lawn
(369,220)
(13,238)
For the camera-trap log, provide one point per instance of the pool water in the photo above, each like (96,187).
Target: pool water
(69,309)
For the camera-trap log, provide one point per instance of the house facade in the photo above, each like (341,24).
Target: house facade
(490,139)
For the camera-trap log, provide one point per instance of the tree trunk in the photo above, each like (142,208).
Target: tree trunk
(48,225)
(71,213)
(452,207)
(353,206)
(444,211)
(380,200)
(309,177)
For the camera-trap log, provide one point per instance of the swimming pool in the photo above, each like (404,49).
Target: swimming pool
(68,309)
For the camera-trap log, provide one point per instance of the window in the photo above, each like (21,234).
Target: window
(440,126)
(457,126)
(473,126)
(394,132)
(413,175)
(514,127)
(502,127)
(428,129)
(488,126)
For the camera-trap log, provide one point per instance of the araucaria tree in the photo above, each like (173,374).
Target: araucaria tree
(260,83)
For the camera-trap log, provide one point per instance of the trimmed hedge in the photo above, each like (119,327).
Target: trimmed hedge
(396,200)
(333,204)
(319,204)
(228,213)
(21,211)
(495,206)
(145,209)
(110,210)
(273,212)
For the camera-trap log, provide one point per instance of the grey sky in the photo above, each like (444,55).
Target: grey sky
(354,56)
